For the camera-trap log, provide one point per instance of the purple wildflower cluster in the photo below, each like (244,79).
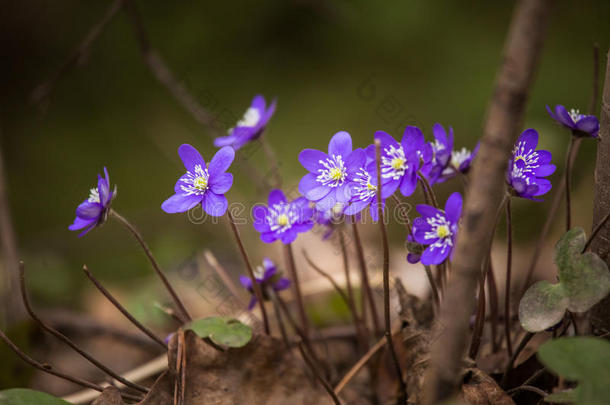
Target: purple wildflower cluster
(581,125)
(266,276)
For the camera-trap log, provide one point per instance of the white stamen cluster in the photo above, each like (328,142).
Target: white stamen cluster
(197,182)
(94,195)
(528,157)
(281,217)
(363,188)
(458,157)
(250,119)
(575,115)
(393,163)
(440,230)
(333,173)
(259,273)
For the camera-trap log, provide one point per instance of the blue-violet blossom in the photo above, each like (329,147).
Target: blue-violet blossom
(437,229)
(94,210)
(331,175)
(281,219)
(581,124)
(267,276)
(201,184)
(528,167)
(250,127)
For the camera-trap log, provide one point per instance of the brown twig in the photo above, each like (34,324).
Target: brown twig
(296,288)
(326,276)
(319,376)
(511,392)
(503,120)
(49,369)
(429,190)
(386,280)
(595,231)
(509,260)
(221,272)
(122,309)
(43,91)
(365,279)
(67,340)
(528,336)
(153,261)
(256,287)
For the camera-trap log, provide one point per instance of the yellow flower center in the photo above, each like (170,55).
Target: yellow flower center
(442,231)
(336,173)
(200,183)
(282,220)
(371,187)
(397,163)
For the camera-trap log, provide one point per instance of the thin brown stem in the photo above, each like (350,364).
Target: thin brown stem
(67,340)
(319,376)
(256,287)
(428,188)
(493,307)
(479,322)
(221,272)
(509,259)
(296,288)
(435,294)
(153,261)
(386,280)
(511,392)
(327,276)
(278,317)
(365,279)
(49,369)
(569,163)
(43,91)
(528,336)
(122,309)
(596,230)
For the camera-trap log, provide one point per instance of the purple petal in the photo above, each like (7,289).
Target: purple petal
(530,138)
(288,236)
(453,207)
(435,255)
(588,124)
(252,303)
(221,183)
(246,282)
(214,204)
(564,117)
(180,203)
(356,207)
(276,197)
(225,140)
(311,188)
(270,112)
(269,265)
(80,223)
(340,144)
(302,227)
(281,284)
(269,237)
(408,183)
(413,258)
(259,214)
(89,210)
(221,161)
(355,160)
(258,103)
(427,210)
(385,139)
(310,159)
(412,139)
(190,157)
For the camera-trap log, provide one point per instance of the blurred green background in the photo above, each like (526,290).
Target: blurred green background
(333,65)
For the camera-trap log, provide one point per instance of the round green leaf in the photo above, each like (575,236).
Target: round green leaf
(542,306)
(223,331)
(23,396)
(589,281)
(581,359)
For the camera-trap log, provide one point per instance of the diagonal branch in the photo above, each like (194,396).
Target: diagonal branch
(504,118)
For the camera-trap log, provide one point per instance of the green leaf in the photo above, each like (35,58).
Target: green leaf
(221,330)
(585,360)
(584,280)
(542,306)
(23,396)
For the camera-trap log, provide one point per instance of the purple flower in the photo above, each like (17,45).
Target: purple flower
(528,167)
(440,155)
(94,210)
(581,124)
(364,192)
(330,219)
(460,162)
(400,162)
(266,276)
(437,229)
(250,127)
(331,175)
(281,219)
(202,184)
